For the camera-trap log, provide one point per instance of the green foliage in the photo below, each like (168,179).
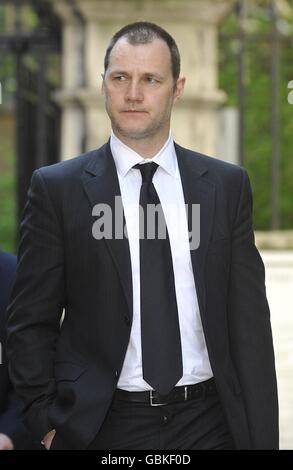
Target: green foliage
(7,199)
(258,112)
(286,169)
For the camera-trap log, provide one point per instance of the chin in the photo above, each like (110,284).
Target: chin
(133,133)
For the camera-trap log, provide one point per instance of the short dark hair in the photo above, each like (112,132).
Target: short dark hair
(143,32)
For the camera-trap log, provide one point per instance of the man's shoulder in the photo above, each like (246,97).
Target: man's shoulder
(71,167)
(213,164)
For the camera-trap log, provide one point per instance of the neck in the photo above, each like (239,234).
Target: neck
(147,147)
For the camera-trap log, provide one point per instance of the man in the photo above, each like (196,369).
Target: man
(12,432)
(163,345)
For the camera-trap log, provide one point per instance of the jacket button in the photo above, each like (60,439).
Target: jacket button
(127,321)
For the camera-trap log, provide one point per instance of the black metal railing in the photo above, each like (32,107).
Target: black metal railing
(37,115)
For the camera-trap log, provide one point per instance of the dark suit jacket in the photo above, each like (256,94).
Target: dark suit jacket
(68,376)
(10,406)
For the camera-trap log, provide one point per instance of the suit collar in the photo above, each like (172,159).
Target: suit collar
(99,162)
(192,161)
(125,157)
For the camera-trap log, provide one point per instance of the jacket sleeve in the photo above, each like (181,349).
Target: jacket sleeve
(250,329)
(36,306)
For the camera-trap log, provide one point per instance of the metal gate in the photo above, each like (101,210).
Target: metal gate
(37,114)
(277,35)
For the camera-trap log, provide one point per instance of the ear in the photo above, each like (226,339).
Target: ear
(178,92)
(103,86)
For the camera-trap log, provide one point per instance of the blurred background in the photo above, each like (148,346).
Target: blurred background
(237,56)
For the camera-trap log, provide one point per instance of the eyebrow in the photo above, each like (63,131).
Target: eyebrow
(155,75)
(145,74)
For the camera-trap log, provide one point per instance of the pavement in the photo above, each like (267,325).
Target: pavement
(279,284)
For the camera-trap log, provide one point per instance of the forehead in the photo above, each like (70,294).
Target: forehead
(150,57)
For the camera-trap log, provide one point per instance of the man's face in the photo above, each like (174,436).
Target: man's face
(138,89)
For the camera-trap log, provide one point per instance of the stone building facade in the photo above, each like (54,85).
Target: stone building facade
(87,28)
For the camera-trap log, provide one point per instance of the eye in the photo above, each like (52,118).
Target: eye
(152,80)
(119,78)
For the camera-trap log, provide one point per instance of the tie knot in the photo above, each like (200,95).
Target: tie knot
(147,171)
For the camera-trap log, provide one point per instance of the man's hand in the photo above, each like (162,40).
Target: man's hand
(47,441)
(5,442)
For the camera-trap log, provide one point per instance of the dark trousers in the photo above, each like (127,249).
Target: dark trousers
(196,424)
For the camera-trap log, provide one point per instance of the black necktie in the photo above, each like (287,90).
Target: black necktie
(160,334)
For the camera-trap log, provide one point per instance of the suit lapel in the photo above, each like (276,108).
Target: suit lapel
(197,189)
(101,185)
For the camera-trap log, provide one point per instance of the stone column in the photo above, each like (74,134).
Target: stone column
(194,24)
(73,117)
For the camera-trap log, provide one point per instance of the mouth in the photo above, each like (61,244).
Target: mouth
(133,111)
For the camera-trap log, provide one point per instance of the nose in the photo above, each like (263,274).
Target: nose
(134,91)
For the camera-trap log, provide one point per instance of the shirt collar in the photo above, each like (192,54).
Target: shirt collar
(125,158)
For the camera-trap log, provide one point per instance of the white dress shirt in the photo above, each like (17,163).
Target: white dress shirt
(196,364)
